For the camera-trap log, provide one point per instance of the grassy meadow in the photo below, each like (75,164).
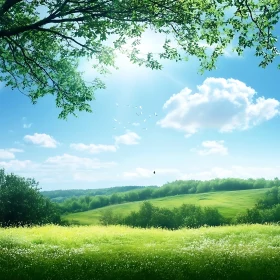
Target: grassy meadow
(116,252)
(229,203)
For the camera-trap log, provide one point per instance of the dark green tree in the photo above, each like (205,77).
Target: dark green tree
(42,40)
(21,202)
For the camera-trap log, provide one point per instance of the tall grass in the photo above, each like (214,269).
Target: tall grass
(115,252)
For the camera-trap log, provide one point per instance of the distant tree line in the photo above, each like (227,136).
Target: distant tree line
(187,215)
(266,210)
(61,195)
(21,202)
(178,187)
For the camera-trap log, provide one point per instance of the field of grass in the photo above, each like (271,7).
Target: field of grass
(229,203)
(115,252)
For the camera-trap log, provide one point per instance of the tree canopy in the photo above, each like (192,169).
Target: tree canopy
(21,203)
(41,41)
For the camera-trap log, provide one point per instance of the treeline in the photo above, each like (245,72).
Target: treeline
(179,187)
(187,215)
(266,210)
(61,195)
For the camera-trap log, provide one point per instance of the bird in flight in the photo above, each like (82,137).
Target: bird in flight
(154,172)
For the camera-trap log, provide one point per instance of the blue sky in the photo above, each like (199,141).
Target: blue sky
(224,123)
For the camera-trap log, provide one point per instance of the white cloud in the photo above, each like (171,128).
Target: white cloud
(212,147)
(9,153)
(92,177)
(64,168)
(130,138)
(17,165)
(75,162)
(43,140)
(14,150)
(4,154)
(92,148)
(235,171)
(222,104)
(147,173)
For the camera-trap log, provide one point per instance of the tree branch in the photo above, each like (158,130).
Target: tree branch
(67,38)
(7,5)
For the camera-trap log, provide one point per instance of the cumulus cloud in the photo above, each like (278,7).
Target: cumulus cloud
(222,104)
(9,153)
(17,165)
(212,147)
(4,154)
(92,148)
(75,162)
(64,168)
(43,140)
(130,138)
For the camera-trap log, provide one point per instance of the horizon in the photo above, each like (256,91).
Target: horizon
(180,124)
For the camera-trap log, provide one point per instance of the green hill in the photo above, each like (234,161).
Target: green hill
(229,203)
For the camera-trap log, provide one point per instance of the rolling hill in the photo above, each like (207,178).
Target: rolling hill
(229,203)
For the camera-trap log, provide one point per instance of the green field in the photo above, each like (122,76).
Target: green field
(229,203)
(115,252)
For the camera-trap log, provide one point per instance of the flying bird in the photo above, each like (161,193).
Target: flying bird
(156,114)
(154,172)
(140,107)
(115,120)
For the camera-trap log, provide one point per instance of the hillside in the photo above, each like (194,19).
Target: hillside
(229,203)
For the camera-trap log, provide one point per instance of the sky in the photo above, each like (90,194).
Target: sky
(174,121)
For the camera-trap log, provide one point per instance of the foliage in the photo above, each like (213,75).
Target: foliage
(178,187)
(61,195)
(187,215)
(266,210)
(41,41)
(21,202)
(115,252)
